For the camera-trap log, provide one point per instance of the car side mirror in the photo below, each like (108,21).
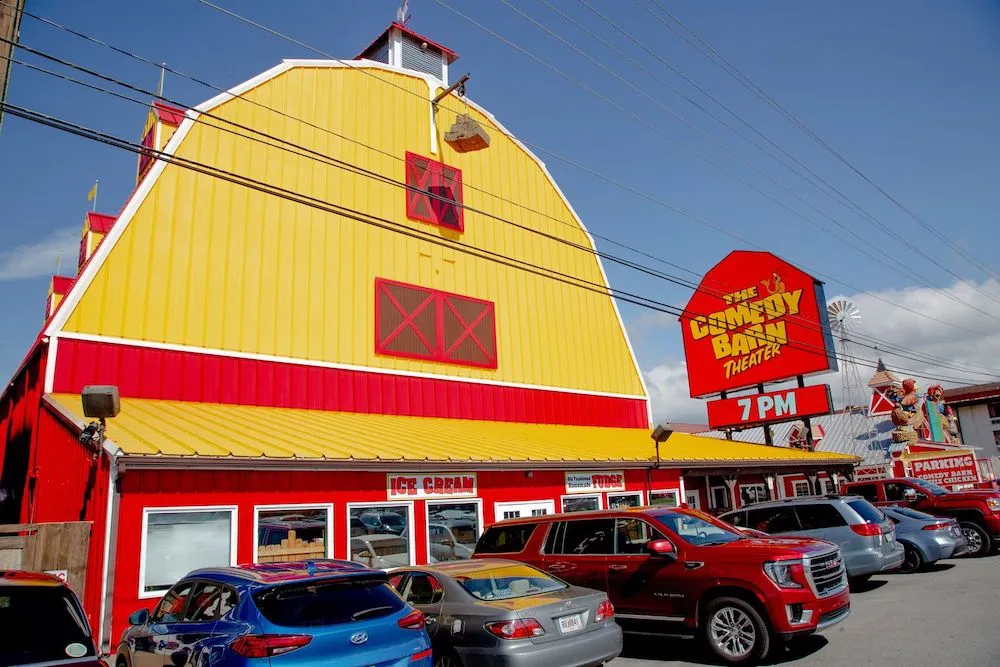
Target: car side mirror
(446,543)
(661,548)
(140,617)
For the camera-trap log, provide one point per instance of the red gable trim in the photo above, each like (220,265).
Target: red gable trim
(99,222)
(168,114)
(61,284)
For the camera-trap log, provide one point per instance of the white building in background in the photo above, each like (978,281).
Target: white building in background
(978,408)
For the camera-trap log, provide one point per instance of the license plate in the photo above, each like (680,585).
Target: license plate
(571,623)
(889,537)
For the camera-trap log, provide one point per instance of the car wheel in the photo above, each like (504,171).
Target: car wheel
(979,540)
(912,560)
(735,632)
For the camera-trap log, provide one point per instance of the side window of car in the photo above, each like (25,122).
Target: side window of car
(206,603)
(818,516)
(894,492)
(585,537)
(505,539)
(738,519)
(396,581)
(867,491)
(631,536)
(423,589)
(773,520)
(171,607)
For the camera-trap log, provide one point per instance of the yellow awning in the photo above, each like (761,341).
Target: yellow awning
(184,429)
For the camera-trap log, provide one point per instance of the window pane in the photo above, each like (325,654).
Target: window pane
(508,581)
(39,624)
(204,605)
(178,542)
(753,493)
(773,520)
(867,511)
(387,544)
(423,589)
(631,536)
(581,503)
(452,530)
(867,491)
(505,539)
(618,500)
(818,516)
(171,607)
(663,498)
(291,535)
(994,410)
(801,488)
(591,536)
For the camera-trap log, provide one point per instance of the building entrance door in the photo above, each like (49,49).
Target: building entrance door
(518,510)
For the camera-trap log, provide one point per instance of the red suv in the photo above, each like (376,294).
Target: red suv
(678,570)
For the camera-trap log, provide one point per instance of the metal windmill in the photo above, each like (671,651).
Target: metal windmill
(844,321)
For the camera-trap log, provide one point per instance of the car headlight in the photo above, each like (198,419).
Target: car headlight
(993,504)
(785,572)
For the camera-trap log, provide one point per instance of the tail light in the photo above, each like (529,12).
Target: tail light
(413,621)
(267,646)
(417,657)
(519,629)
(940,525)
(605,610)
(867,529)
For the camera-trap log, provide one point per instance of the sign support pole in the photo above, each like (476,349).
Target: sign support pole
(729,431)
(768,439)
(807,421)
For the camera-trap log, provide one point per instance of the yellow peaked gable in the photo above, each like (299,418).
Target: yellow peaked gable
(211,264)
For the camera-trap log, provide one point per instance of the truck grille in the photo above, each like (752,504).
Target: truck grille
(827,573)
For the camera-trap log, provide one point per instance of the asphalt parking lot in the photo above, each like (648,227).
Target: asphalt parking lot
(945,616)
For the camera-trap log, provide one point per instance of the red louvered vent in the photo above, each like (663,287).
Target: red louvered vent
(436,196)
(419,323)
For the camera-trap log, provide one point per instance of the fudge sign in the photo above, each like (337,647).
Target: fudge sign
(592,482)
(441,485)
(755,318)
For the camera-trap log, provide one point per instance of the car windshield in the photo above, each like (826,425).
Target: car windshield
(41,624)
(508,582)
(868,512)
(930,486)
(329,602)
(698,528)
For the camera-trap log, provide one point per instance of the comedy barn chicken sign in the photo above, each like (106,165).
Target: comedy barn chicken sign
(755,319)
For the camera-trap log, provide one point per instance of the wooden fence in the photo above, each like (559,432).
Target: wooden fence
(58,548)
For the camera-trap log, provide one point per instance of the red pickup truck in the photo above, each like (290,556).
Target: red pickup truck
(672,571)
(978,512)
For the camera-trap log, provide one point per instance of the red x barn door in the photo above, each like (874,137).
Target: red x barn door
(435,192)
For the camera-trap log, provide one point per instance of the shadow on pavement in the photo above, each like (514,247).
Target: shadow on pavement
(936,567)
(866,586)
(692,650)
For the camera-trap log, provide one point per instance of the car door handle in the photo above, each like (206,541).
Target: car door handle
(556,567)
(617,568)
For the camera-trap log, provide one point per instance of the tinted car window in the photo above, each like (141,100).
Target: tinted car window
(818,516)
(867,491)
(867,511)
(773,519)
(508,582)
(423,589)
(581,538)
(505,539)
(631,536)
(895,491)
(171,607)
(698,528)
(329,602)
(210,602)
(41,624)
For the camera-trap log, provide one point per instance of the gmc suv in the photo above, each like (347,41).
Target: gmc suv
(978,512)
(675,571)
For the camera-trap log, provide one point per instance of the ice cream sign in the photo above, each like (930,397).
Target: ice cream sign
(441,485)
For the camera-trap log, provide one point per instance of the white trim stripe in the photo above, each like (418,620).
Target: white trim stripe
(329,364)
(71,300)
(50,364)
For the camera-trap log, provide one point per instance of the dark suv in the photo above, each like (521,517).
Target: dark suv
(678,570)
(866,537)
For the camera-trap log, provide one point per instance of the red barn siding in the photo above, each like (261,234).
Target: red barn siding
(152,373)
(19,408)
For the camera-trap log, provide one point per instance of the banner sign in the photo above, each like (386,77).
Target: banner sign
(433,485)
(755,318)
(947,470)
(595,482)
(776,406)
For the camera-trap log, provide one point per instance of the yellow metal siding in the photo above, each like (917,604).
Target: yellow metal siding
(176,428)
(210,264)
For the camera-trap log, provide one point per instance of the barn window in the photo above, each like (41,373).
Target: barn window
(293,533)
(420,323)
(176,541)
(434,192)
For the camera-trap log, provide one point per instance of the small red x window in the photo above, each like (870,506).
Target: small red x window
(434,192)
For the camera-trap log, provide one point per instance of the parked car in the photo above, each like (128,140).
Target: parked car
(866,537)
(925,538)
(42,623)
(319,612)
(445,545)
(679,570)
(489,612)
(977,512)
(381,551)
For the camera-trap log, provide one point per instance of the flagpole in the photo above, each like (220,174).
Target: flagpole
(96,183)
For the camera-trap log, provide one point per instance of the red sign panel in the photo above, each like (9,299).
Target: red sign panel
(947,470)
(435,485)
(776,406)
(755,318)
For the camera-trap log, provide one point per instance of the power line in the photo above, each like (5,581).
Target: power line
(304,152)
(384,223)
(712,54)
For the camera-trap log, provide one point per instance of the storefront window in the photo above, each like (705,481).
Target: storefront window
(386,542)
(800,488)
(663,498)
(292,534)
(452,530)
(176,542)
(753,493)
(619,500)
(581,503)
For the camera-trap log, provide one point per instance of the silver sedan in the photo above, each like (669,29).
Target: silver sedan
(499,612)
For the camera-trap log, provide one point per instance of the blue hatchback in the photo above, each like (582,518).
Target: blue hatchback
(283,614)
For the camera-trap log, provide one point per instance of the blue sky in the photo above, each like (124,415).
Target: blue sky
(905,89)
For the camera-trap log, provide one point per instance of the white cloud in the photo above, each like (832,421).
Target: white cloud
(31,260)
(970,354)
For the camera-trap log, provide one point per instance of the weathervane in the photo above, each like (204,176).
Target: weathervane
(403,13)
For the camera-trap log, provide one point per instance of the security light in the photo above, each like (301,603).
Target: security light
(661,433)
(101,402)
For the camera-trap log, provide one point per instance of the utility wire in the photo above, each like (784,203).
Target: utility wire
(384,223)
(719,60)
(304,152)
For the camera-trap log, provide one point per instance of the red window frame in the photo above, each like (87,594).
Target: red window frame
(146,157)
(425,176)
(456,336)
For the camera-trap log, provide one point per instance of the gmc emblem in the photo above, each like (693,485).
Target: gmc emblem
(832,564)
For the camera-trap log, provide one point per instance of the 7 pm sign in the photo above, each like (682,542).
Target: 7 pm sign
(775,406)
